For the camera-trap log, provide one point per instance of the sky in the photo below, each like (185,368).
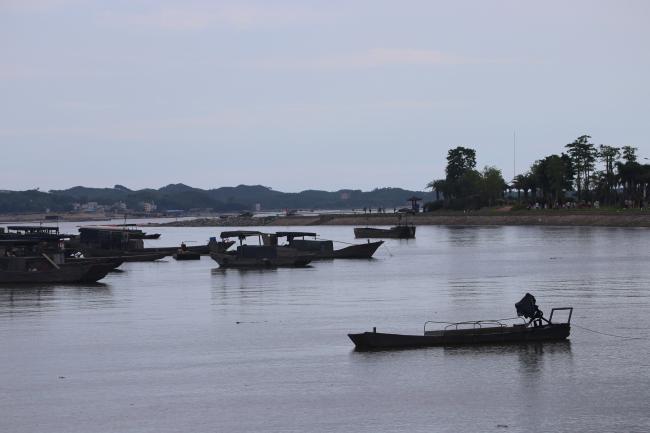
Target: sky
(299,95)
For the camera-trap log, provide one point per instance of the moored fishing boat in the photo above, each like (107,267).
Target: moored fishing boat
(257,256)
(36,256)
(39,270)
(321,248)
(396,232)
(538,328)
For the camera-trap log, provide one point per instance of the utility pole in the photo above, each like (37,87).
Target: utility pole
(514,154)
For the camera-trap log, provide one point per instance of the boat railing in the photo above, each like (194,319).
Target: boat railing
(473,323)
(553,310)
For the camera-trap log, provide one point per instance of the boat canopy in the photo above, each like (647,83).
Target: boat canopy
(294,234)
(240,234)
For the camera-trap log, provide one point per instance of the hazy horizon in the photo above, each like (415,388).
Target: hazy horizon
(309,95)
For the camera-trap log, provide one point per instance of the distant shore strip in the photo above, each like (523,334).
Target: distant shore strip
(531,218)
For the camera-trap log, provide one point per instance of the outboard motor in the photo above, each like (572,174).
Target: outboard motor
(528,309)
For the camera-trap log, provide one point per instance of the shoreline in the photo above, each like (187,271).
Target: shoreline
(633,218)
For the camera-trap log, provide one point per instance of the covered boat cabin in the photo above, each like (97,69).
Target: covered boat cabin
(15,253)
(323,248)
(109,238)
(46,233)
(251,251)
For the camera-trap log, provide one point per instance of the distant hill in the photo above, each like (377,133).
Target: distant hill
(184,197)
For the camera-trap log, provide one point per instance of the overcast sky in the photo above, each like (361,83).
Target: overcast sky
(310,94)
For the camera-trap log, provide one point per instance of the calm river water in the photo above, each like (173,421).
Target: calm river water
(185,347)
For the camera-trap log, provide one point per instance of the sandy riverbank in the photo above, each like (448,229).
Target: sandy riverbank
(546,218)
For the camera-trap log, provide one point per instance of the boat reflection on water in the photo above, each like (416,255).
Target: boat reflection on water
(28,298)
(526,352)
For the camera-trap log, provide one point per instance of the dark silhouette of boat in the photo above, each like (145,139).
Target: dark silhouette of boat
(403,230)
(86,273)
(536,329)
(44,269)
(115,241)
(183,253)
(396,232)
(36,255)
(257,256)
(133,230)
(320,248)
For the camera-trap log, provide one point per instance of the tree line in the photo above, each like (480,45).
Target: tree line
(582,175)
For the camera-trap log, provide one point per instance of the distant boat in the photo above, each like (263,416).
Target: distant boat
(475,332)
(183,253)
(324,249)
(396,232)
(115,241)
(132,229)
(256,256)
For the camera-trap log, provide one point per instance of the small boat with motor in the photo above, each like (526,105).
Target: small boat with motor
(321,248)
(535,329)
(257,256)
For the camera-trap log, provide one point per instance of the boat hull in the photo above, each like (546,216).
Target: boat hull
(233,261)
(360,251)
(323,250)
(397,232)
(187,255)
(77,273)
(500,335)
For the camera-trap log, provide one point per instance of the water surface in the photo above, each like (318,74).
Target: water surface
(184,346)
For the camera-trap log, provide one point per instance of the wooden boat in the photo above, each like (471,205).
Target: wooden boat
(321,249)
(475,332)
(29,271)
(132,229)
(396,232)
(36,256)
(256,256)
(183,253)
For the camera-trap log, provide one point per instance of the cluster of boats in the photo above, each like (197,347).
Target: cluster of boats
(41,254)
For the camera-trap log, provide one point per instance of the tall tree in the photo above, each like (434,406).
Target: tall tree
(609,155)
(583,157)
(460,161)
(629,153)
(493,185)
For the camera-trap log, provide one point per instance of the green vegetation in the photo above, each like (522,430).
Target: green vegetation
(464,187)
(571,179)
